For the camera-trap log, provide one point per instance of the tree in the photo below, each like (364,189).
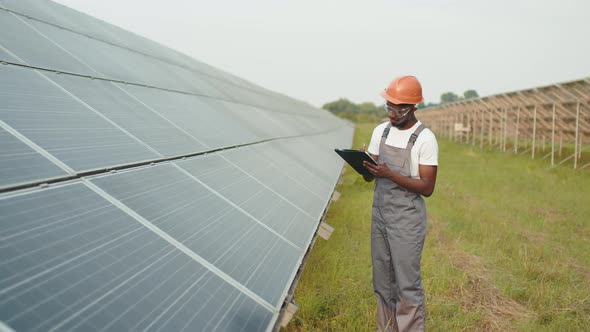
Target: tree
(427,105)
(340,106)
(448,97)
(364,112)
(470,94)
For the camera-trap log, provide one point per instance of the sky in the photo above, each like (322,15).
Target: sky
(321,50)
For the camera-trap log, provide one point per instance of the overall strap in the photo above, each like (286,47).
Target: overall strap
(414,136)
(384,137)
(386,130)
(385,133)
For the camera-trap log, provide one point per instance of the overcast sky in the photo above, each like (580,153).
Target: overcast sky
(322,50)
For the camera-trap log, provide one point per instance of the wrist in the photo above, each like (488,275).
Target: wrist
(393,176)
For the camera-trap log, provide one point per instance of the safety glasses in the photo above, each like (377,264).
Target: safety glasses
(399,112)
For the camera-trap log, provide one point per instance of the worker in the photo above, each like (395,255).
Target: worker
(407,159)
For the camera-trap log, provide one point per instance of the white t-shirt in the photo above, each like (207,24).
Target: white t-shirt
(424,151)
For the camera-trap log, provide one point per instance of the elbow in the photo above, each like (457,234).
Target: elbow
(427,192)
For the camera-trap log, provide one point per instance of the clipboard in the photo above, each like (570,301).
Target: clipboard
(355,159)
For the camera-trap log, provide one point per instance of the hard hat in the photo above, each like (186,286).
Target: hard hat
(404,90)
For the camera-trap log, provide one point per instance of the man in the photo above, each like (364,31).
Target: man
(407,157)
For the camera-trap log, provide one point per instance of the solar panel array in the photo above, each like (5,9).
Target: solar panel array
(141,189)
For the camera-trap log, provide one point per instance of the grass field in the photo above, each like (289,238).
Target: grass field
(507,248)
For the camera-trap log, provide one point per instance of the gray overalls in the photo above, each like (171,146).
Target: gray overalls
(398,230)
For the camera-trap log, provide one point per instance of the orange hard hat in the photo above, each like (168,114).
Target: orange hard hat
(404,90)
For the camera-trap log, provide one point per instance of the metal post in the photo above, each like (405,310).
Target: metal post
(460,133)
(516,131)
(454,131)
(534,130)
(500,135)
(482,129)
(580,148)
(466,121)
(469,133)
(505,129)
(553,138)
(497,136)
(473,130)
(490,140)
(449,120)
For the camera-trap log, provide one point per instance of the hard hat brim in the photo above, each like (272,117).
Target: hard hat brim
(397,101)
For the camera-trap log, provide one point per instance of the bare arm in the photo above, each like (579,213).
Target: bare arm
(423,185)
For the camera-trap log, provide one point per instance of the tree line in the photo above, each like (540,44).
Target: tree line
(369,112)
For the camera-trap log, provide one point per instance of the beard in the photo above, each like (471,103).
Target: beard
(402,123)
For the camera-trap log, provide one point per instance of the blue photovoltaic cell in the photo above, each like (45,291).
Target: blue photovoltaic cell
(241,94)
(299,162)
(210,126)
(291,127)
(278,180)
(62,126)
(258,121)
(128,113)
(55,13)
(108,61)
(5,56)
(208,225)
(62,16)
(192,82)
(117,63)
(276,212)
(33,48)
(72,261)
(105,60)
(19,163)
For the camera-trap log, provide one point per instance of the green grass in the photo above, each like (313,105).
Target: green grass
(508,248)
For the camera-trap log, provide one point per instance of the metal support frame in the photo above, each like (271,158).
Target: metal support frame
(538,115)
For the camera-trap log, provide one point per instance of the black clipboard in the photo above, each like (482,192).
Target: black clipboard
(355,159)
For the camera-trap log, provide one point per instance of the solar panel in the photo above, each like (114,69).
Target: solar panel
(64,127)
(248,192)
(112,101)
(278,180)
(258,121)
(73,261)
(297,160)
(210,126)
(141,189)
(34,49)
(208,224)
(57,14)
(19,163)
